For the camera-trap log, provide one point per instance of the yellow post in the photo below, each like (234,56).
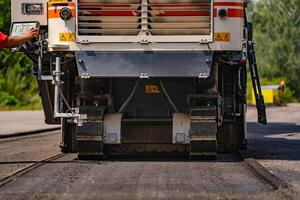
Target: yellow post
(270,93)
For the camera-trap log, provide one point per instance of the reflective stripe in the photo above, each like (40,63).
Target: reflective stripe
(228,4)
(232,12)
(61,3)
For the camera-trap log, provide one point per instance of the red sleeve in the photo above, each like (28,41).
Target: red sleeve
(3,40)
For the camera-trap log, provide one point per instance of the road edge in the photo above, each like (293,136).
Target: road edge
(275,181)
(24,133)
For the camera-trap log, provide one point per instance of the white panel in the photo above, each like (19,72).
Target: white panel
(57,26)
(181,128)
(17,16)
(112,128)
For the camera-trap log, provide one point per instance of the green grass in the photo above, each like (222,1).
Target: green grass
(28,107)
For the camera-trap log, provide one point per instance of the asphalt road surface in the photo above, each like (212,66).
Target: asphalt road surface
(276,146)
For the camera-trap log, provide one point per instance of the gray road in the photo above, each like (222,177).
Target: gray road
(135,179)
(16,154)
(21,121)
(276,146)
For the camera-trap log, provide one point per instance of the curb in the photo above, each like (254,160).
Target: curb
(268,176)
(28,132)
(276,182)
(263,172)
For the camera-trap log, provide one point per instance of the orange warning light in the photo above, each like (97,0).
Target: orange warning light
(282,85)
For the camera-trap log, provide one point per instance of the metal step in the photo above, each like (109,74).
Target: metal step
(203,132)
(89,135)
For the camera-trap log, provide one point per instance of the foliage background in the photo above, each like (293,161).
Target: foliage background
(277,37)
(18,88)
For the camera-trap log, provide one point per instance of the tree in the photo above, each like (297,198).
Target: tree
(17,84)
(277,34)
(5,15)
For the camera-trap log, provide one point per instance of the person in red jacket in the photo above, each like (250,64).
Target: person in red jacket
(11,42)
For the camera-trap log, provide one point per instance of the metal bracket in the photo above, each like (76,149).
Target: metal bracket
(144,41)
(144,76)
(203,75)
(244,50)
(85,42)
(85,76)
(46,78)
(58,94)
(204,41)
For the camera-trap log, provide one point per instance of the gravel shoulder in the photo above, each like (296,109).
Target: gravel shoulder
(277,145)
(12,122)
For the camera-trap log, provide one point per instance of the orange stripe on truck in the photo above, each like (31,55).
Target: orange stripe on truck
(52,14)
(60,4)
(232,12)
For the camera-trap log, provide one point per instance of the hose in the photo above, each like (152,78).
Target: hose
(167,96)
(130,97)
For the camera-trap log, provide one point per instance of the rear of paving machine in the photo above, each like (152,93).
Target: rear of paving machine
(143,76)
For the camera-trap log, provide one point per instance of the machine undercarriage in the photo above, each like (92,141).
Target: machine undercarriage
(195,116)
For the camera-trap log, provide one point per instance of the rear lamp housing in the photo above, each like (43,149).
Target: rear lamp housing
(223,13)
(65,13)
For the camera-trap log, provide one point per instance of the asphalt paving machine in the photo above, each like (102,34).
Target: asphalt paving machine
(142,76)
